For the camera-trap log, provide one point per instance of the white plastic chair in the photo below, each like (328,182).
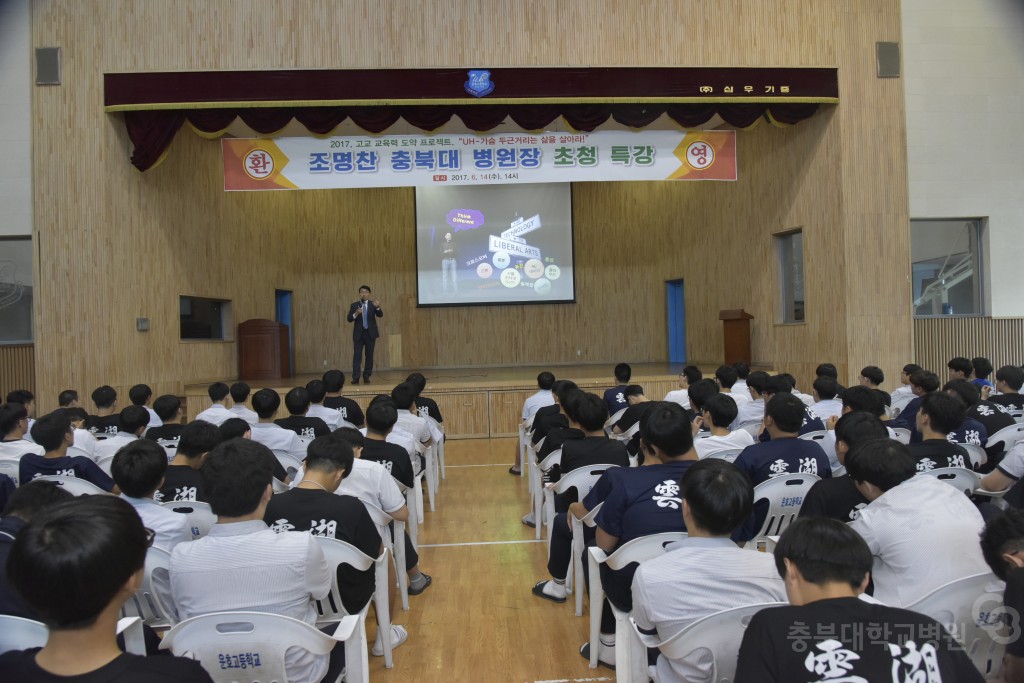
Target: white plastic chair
(536,483)
(960,477)
(18,633)
(612,419)
(439,446)
(413,501)
(578,544)
(720,633)
(1006,437)
(430,473)
(977,454)
(540,468)
(814,436)
(726,454)
(582,479)
(255,640)
(104,464)
(170,447)
(200,515)
(972,610)
(289,462)
(627,435)
(753,427)
(901,434)
(395,542)
(331,609)
(74,485)
(785,494)
(278,485)
(10,467)
(630,659)
(150,603)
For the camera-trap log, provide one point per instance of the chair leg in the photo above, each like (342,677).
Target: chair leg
(440,457)
(596,605)
(382,607)
(357,655)
(577,564)
(400,570)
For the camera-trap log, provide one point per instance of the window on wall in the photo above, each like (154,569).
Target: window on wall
(204,319)
(946,265)
(789,249)
(16,290)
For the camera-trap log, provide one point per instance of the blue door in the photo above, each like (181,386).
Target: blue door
(283,314)
(676,321)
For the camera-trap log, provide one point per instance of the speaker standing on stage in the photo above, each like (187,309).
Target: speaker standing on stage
(363,315)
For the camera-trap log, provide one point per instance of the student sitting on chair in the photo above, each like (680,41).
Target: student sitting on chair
(142,395)
(726,378)
(168,409)
(131,426)
(334,383)
(267,402)
(1002,544)
(182,482)
(218,412)
(13,428)
(138,470)
(299,421)
(53,432)
(1009,380)
(331,416)
(105,420)
(614,397)
(940,414)
(718,412)
(689,375)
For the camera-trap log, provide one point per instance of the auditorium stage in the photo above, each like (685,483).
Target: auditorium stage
(477,402)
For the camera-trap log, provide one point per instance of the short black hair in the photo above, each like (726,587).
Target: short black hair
(967,390)
(22,396)
(77,413)
(700,391)
(633,390)
(1003,534)
(789,378)
(859,398)
(139,467)
(883,462)
(961,364)
(418,382)
(873,374)
(366,287)
(1012,375)
(742,369)
(563,388)
(297,401)
(827,370)
(404,395)
(623,372)
(827,387)
(778,384)
(33,498)
(218,391)
(787,411)
(139,394)
(925,380)
(71,562)
(545,380)
(235,475)
(726,376)
(982,367)
(231,428)
(824,550)
(692,374)
(588,410)
(719,494)
(856,428)
(67,397)
(133,418)
(239,392)
(333,380)
(199,437)
(946,412)
(910,368)
(381,415)
(49,430)
(353,436)
(266,402)
(329,453)
(104,396)
(758,381)
(316,390)
(665,427)
(166,407)
(723,410)
(10,415)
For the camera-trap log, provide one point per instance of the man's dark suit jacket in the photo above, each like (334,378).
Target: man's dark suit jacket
(355,316)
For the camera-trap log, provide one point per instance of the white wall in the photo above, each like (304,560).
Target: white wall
(963,65)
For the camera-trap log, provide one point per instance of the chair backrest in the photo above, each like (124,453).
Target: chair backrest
(75,451)
(961,478)
(972,610)
(290,464)
(104,463)
(902,435)
(582,479)
(785,494)
(553,458)
(977,453)
(244,647)
(74,485)
(720,634)
(727,454)
(631,432)
(814,436)
(753,427)
(150,603)
(17,633)
(200,515)
(1006,437)
(613,418)
(643,548)
(10,467)
(338,553)
(170,447)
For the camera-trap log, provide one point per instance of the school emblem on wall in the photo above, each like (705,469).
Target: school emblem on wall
(479,83)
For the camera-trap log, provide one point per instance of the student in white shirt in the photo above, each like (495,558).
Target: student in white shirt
(27,399)
(905,392)
(331,416)
(718,413)
(922,532)
(217,413)
(239,394)
(726,377)
(138,470)
(753,411)
(68,399)
(689,375)
(273,436)
(85,443)
(543,397)
(132,421)
(826,404)
(142,395)
(404,396)
(13,427)
(856,399)
(742,372)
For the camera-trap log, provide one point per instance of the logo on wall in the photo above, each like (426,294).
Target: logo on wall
(700,155)
(479,83)
(258,164)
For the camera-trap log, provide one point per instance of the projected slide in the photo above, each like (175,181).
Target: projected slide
(496,244)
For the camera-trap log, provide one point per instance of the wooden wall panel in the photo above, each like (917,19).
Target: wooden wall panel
(17,368)
(936,340)
(116,244)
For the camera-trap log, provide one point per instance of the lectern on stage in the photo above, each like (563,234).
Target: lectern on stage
(263,350)
(736,335)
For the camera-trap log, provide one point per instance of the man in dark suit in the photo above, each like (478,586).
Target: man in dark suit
(363,314)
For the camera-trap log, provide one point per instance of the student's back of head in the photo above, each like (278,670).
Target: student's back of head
(726,376)
(239,392)
(966,390)
(758,381)
(138,468)
(633,391)
(700,391)
(692,374)
(742,370)
(334,380)
(218,391)
(133,419)
(826,388)
(883,463)
(11,415)
(232,428)
(718,494)
(403,395)
(52,430)
(722,409)
(1003,535)
(623,372)
(199,437)
(545,381)
(67,398)
(34,498)
(960,365)
(777,384)
(860,398)
(982,367)
(266,403)
(353,437)
(166,407)
(563,388)
(945,412)
(824,551)
(926,381)
(316,390)
(235,477)
(827,370)
(104,396)
(330,453)
(297,401)
(418,382)
(786,411)
(664,426)
(855,429)
(140,394)
(588,410)
(381,415)
(873,374)
(1012,375)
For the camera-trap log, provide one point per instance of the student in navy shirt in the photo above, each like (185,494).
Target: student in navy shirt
(991,416)
(614,397)
(921,382)
(809,422)
(550,417)
(53,432)
(940,414)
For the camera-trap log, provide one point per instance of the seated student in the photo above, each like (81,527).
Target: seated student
(922,532)
(726,378)
(241,565)
(181,480)
(742,372)
(904,392)
(782,384)
(558,433)
(921,383)
(142,395)
(138,470)
(85,443)
(105,421)
(542,398)
(100,541)
(267,402)
(825,566)
(404,398)
(855,399)
(706,572)
(982,369)
(400,437)
(239,395)
(753,411)
(7,489)
(312,506)
(53,433)
(829,370)
(13,426)
(826,404)
(131,425)
(334,382)
(614,397)
(960,368)
(381,417)
(1009,380)
(298,420)
(838,497)
(638,405)
(426,406)
(700,392)
(689,375)
(31,500)
(719,411)
(940,414)
(983,419)
(549,417)
(68,399)
(808,400)
(1002,544)
(331,416)
(872,377)
(234,428)
(28,400)
(168,409)
(217,413)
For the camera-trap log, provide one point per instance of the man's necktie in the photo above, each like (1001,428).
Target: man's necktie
(365,326)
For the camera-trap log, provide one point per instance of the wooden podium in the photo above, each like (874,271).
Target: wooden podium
(263,350)
(736,335)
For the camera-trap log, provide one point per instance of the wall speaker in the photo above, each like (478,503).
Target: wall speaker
(47,66)
(887,59)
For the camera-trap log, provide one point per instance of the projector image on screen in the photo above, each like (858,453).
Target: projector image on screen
(494,244)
